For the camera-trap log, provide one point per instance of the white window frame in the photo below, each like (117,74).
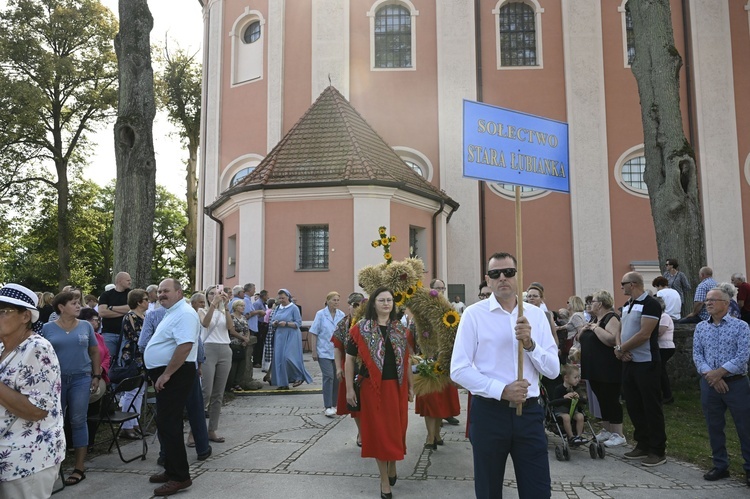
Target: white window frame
(244,161)
(538,11)
(747,166)
(236,39)
(623,14)
(631,153)
(414,13)
(537,193)
(416,157)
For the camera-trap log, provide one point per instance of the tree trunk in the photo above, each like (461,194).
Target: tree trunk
(63,232)
(191,230)
(670,161)
(135,190)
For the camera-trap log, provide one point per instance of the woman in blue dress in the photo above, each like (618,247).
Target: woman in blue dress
(287,366)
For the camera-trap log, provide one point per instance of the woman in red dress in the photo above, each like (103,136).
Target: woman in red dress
(380,343)
(339,339)
(435,407)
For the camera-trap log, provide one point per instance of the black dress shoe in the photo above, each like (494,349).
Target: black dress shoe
(392,480)
(384,495)
(716,474)
(452,421)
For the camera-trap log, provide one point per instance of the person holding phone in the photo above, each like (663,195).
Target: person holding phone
(217,321)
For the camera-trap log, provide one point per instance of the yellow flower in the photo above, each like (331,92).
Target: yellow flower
(419,284)
(384,241)
(451,318)
(387,256)
(381,230)
(375,244)
(410,291)
(399,299)
(393,239)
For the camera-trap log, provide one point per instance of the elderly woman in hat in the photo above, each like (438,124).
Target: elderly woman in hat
(32,441)
(287,366)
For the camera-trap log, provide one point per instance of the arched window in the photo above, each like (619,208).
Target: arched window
(238,169)
(240,175)
(508,191)
(247,47)
(519,30)
(416,161)
(628,40)
(392,35)
(629,171)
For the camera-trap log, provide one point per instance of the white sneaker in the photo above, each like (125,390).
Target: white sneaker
(615,440)
(603,436)
(330,412)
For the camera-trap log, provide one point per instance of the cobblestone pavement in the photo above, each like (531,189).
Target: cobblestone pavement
(282,446)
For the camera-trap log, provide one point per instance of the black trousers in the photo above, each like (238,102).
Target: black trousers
(641,384)
(170,403)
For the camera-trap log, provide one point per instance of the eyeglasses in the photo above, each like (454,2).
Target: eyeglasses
(439,288)
(384,300)
(495,273)
(484,295)
(97,319)
(711,300)
(5,311)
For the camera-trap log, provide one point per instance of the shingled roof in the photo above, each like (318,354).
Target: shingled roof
(332,145)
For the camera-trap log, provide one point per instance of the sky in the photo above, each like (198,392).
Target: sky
(181,21)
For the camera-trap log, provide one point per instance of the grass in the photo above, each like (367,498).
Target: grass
(687,434)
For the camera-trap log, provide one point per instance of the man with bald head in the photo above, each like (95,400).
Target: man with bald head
(113,305)
(170,361)
(637,347)
(699,312)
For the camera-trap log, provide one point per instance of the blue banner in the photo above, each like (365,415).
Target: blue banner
(516,148)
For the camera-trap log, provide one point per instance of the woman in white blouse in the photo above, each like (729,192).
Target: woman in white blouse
(217,322)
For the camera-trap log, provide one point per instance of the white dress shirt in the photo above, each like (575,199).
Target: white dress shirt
(485,354)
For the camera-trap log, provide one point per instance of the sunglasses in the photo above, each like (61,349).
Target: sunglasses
(484,295)
(495,273)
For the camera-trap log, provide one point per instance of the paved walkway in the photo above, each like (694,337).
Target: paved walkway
(281,446)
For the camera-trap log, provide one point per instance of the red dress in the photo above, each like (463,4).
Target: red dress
(439,405)
(384,417)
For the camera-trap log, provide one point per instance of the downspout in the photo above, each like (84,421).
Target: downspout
(688,73)
(434,238)
(480,98)
(220,260)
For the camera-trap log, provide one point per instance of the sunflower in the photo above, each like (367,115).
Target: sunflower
(410,291)
(451,318)
(419,284)
(399,299)
(387,256)
(375,244)
(393,239)
(384,241)
(381,230)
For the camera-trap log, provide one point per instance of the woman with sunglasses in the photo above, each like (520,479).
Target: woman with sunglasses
(339,339)
(380,343)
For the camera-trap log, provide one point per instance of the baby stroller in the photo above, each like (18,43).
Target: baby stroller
(553,424)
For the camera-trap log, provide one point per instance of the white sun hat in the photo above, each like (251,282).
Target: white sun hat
(20,296)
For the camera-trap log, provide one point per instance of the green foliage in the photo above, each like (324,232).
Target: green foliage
(28,248)
(178,91)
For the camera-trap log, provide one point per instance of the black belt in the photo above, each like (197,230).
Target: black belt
(505,403)
(729,379)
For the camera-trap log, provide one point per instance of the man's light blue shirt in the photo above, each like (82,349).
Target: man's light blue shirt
(180,325)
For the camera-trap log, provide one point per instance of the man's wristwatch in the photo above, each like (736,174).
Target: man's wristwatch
(109,307)
(533,346)
(618,348)
(97,376)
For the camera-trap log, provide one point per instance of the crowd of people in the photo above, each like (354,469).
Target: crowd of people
(59,352)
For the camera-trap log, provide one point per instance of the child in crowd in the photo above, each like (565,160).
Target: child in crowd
(568,403)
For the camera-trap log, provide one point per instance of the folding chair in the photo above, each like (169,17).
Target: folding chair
(116,418)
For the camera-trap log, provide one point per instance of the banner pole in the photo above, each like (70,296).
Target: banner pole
(519,280)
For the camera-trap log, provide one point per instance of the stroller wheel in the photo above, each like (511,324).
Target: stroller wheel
(600,450)
(559,453)
(592,450)
(566,453)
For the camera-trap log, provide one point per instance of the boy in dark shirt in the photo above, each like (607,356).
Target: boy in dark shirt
(568,403)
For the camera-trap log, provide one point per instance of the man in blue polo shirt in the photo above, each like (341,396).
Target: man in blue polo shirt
(170,360)
(638,348)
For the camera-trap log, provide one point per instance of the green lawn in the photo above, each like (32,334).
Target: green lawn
(687,435)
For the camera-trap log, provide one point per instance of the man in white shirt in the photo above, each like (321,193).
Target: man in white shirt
(458,305)
(485,362)
(170,361)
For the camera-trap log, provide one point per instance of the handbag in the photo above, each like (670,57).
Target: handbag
(238,352)
(119,372)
